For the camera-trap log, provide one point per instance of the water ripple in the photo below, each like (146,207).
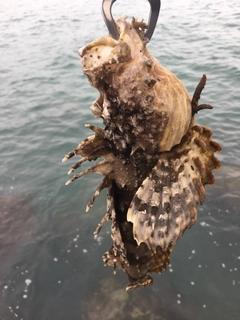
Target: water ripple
(45,102)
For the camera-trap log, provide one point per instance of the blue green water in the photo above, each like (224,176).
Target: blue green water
(50,264)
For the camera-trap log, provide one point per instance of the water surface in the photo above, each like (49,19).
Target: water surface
(50,264)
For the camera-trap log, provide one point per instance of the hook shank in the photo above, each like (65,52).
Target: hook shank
(155,6)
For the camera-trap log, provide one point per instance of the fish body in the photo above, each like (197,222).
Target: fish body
(156,160)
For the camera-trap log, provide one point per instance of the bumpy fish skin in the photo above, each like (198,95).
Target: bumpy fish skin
(138,92)
(156,161)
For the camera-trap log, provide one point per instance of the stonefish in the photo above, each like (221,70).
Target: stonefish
(155,159)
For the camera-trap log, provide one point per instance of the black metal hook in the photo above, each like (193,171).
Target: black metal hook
(152,20)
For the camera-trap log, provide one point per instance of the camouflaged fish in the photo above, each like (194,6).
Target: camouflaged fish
(156,160)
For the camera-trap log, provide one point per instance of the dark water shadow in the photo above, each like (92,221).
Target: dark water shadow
(68,280)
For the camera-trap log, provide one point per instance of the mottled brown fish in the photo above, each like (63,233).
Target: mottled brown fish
(156,161)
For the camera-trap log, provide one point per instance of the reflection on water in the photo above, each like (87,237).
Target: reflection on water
(46,236)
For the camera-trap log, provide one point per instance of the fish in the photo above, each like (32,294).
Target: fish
(156,160)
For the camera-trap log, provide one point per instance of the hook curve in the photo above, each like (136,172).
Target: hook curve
(155,6)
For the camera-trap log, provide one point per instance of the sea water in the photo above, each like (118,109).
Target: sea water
(50,264)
